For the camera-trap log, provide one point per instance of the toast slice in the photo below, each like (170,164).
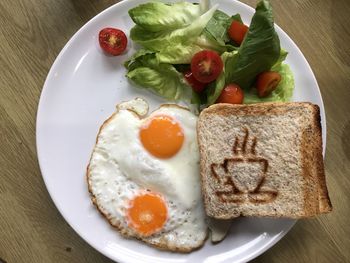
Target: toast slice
(262,160)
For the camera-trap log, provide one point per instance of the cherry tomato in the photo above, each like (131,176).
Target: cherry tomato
(206,66)
(237,31)
(112,40)
(267,82)
(194,83)
(232,94)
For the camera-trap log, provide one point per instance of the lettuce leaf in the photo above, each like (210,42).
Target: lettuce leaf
(136,60)
(283,92)
(259,51)
(282,57)
(217,31)
(162,78)
(163,82)
(207,41)
(217,27)
(178,54)
(237,17)
(157,16)
(214,90)
(159,40)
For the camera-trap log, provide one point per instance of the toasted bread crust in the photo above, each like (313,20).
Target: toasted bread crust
(162,244)
(312,180)
(325,205)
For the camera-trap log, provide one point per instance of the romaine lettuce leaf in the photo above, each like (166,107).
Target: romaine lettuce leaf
(207,41)
(178,54)
(157,16)
(136,60)
(159,40)
(163,82)
(162,78)
(259,51)
(217,29)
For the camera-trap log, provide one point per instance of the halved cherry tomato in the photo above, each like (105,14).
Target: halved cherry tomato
(267,82)
(194,83)
(206,66)
(232,94)
(112,40)
(237,31)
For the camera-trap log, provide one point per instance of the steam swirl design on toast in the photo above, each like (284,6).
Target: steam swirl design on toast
(233,188)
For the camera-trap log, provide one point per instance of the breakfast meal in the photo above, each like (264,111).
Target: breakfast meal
(262,160)
(172,177)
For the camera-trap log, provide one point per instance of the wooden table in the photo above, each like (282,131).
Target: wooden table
(32,34)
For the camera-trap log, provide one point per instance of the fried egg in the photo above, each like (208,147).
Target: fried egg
(144,177)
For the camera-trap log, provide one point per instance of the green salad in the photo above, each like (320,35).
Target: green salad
(170,36)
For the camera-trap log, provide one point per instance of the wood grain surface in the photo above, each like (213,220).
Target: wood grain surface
(32,34)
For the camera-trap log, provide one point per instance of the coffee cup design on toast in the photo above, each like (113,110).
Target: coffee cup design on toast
(242,176)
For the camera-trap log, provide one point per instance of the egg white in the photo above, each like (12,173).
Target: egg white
(120,168)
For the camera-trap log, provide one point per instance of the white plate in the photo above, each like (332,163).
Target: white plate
(81,91)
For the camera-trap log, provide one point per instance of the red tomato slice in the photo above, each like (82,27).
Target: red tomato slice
(267,82)
(232,94)
(112,40)
(206,66)
(194,83)
(237,31)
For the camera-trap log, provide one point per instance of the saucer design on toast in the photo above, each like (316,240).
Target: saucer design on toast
(233,189)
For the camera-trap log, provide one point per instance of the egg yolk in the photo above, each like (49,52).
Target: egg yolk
(147,213)
(162,136)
